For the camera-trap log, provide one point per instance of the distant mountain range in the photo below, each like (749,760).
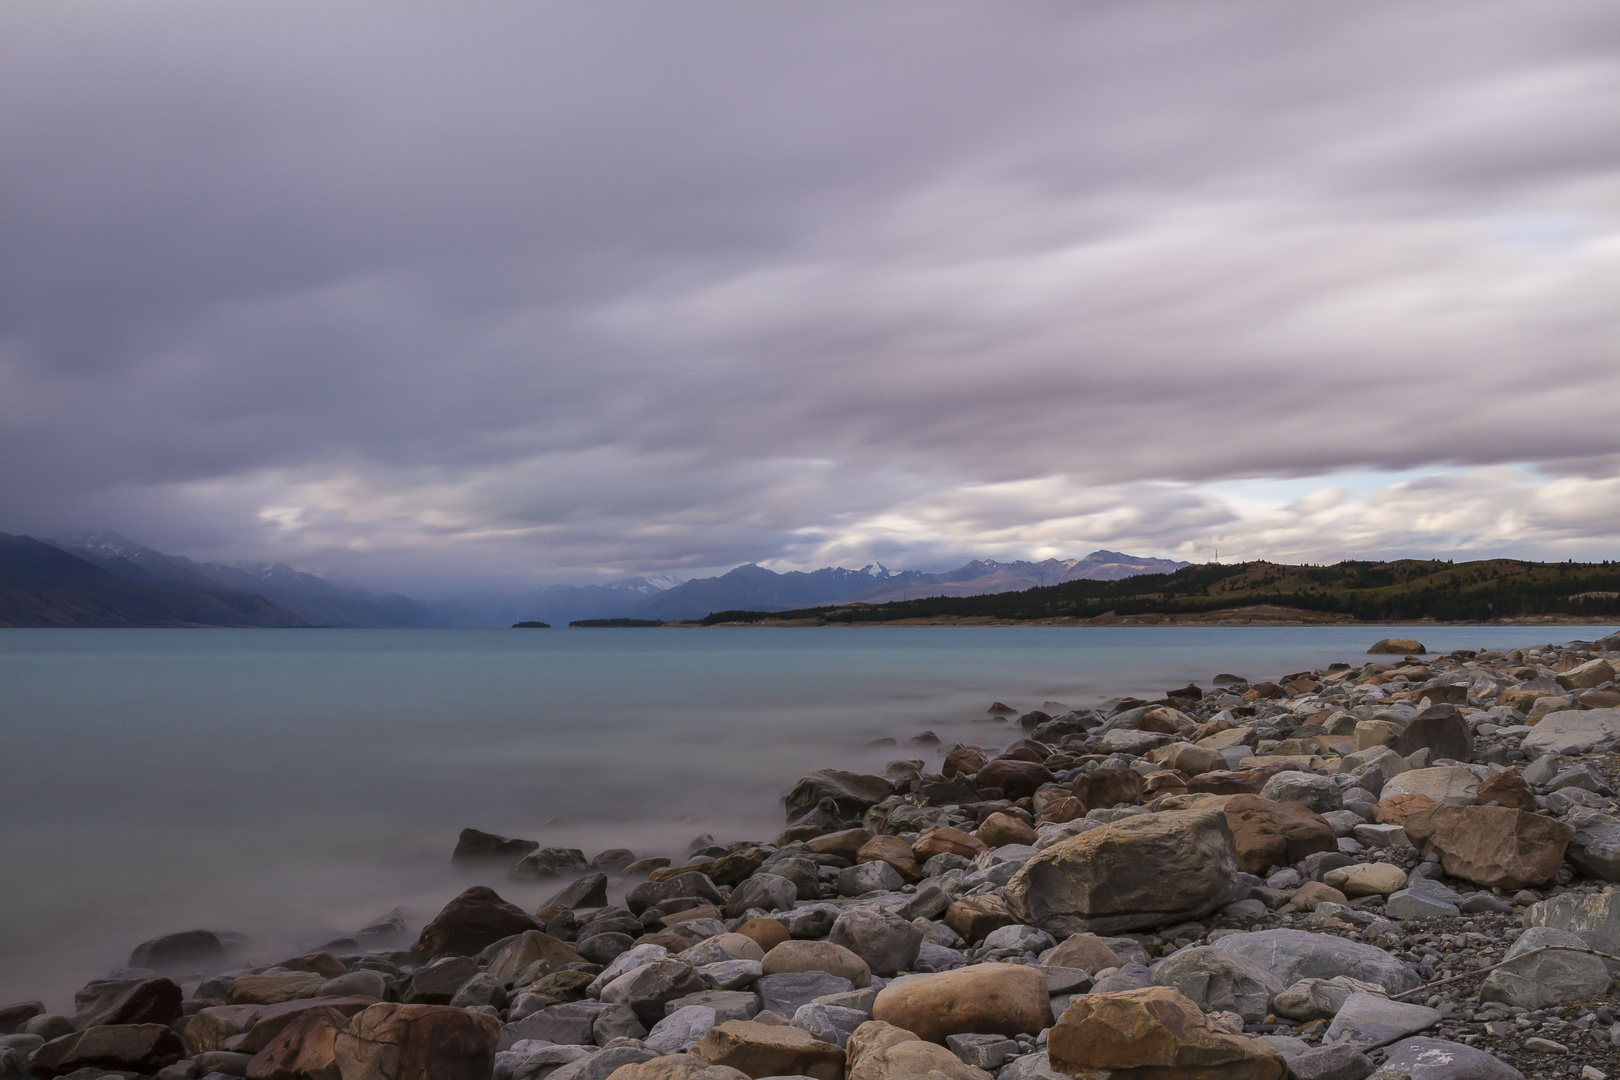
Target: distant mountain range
(104,579)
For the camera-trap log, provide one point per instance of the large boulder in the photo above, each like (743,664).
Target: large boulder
(647,989)
(1548,978)
(1153,1033)
(1399,646)
(1142,871)
(800,956)
(1441,731)
(140,1048)
(677,1067)
(761,1050)
(880,1051)
(1292,955)
(1578,913)
(998,999)
(1452,785)
(1421,1058)
(851,793)
(1573,731)
(687,883)
(1266,833)
(887,943)
(475,919)
(476,846)
(1220,981)
(149,1001)
(305,1049)
(417,1042)
(1494,846)
(531,947)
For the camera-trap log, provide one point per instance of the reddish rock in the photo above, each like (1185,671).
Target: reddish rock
(273,1020)
(765,932)
(1507,789)
(150,1001)
(1238,782)
(321,963)
(845,844)
(999,829)
(973,917)
(1494,846)
(142,1048)
(946,842)
(999,999)
(1156,1033)
(1016,778)
(1267,833)
(1397,808)
(417,1042)
(967,759)
(894,851)
(303,1051)
(475,919)
(1063,810)
(769,1050)
(1103,788)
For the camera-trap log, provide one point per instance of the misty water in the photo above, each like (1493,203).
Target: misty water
(291,785)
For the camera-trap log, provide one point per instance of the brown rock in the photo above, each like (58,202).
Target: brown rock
(1187,759)
(733,867)
(417,1042)
(1141,871)
(1103,788)
(1016,778)
(534,946)
(1156,1033)
(1086,951)
(1238,782)
(703,911)
(1267,833)
(150,1001)
(767,933)
(676,1067)
(1165,782)
(946,842)
(1062,810)
(761,1050)
(879,1051)
(796,956)
(321,963)
(303,1050)
(967,759)
(1397,808)
(142,1048)
(274,1019)
(1167,721)
(998,999)
(1399,646)
(845,844)
(272,988)
(473,920)
(999,829)
(894,851)
(973,917)
(1495,846)
(1507,789)
(208,1028)
(1308,895)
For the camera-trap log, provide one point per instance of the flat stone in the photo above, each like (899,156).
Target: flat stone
(681,1030)
(829,1023)
(1573,731)
(764,1050)
(1369,1020)
(1366,879)
(783,994)
(1413,904)
(1220,981)
(1292,955)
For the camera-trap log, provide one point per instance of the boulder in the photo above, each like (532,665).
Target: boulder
(149,1001)
(1330,1063)
(1578,913)
(607,1061)
(770,892)
(1420,1058)
(1154,1032)
(685,883)
(589,891)
(868,877)
(416,1042)
(946,842)
(140,1048)
(1441,731)
(761,1050)
(880,1051)
(187,949)
(681,1029)
(1001,999)
(530,948)
(1316,793)
(1507,788)
(972,918)
(1492,846)
(548,863)
(830,1023)
(1451,785)
(303,1051)
(767,933)
(965,759)
(209,1027)
(647,989)
(846,843)
(475,919)
(272,987)
(894,851)
(274,1019)
(784,994)
(1548,978)
(1319,999)
(885,941)
(1267,833)
(1188,759)
(723,947)
(1292,955)
(475,846)
(570,1023)
(1399,646)
(834,959)
(1085,951)
(1142,871)
(1397,808)
(1573,731)
(1369,1020)
(1220,981)
(999,829)
(437,983)
(851,793)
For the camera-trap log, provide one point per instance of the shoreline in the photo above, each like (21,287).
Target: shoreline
(1049,780)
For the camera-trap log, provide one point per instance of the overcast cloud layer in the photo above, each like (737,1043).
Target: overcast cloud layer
(431,295)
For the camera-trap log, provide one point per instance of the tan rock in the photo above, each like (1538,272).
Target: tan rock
(1086,951)
(532,947)
(1187,759)
(879,1051)
(274,1019)
(1063,810)
(1399,646)
(1104,788)
(1587,675)
(1507,788)
(846,844)
(1156,1033)
(946,842)
(1228,738)
(1371,733)
(998,999)
(1395,809)
(1495,846)
(1366,879)
(1312,893)
(894,851)
(272,988)
(761,1050)
(1167,721)
(1268,833)
(973,917)
(1454,785)
(417,1042)
(209,1028)
(303,1050)
(795,956)
(676,1067)
(766,932)
(999,829)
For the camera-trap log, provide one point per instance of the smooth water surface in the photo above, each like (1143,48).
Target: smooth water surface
(291,784)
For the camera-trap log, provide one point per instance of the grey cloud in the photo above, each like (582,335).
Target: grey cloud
(576,288)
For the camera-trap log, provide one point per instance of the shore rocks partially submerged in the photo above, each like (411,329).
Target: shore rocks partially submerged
(1400,869)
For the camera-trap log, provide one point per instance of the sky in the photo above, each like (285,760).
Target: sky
(448,295)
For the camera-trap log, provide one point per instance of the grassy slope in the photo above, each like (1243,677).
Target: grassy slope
(1367,591)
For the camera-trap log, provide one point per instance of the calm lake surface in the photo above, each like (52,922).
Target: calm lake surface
(294,784)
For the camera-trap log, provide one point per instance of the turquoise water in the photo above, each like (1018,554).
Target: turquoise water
(290,784)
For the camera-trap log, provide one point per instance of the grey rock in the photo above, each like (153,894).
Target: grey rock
(1573,731)
(1575,912)
(646,989)
(783,994)
(681,1030)
(481,989)
(861,1000)
(768,892)
(691,883)
(605,1062)
(1019,938)
(1331,1063)
(360,983)
(1220,981)
(1344,822)
(589,891)
(868,877)
(1542,770)
(1292,955)
(534,1060)
(810,921)
(1546,978)
(1062,980)
(829,1023)
(1036,1066)
(605,948)
(1414,904)
(987,1052)
(1441,731)
(930,902)
(616,1022)
(1369,1020)
(1595,850)
(888,943)
(1132,976)
(727,1004)
(935,958)
(1380,836)
(569,1024)
(1318,793)
(627,961)
(732,974)
(1422,1058)
(852,793)
(13,1065)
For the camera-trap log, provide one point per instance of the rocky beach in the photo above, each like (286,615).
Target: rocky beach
(1396,868)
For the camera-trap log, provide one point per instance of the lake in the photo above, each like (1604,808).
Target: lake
(294,784)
